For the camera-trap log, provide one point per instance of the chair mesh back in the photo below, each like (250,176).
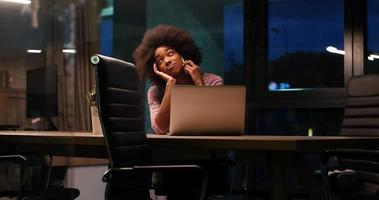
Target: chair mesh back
(362,107)
(120,111)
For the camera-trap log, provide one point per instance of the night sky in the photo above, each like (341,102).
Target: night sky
(305,25)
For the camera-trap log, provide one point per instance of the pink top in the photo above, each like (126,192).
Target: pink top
(155,96)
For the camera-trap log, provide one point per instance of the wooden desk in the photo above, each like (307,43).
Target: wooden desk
(85,144)
(281,151)
(79,144)
(247,142)
(266,143)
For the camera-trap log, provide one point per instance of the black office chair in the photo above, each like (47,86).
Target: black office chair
(30,177)
(354,173)
(118,95)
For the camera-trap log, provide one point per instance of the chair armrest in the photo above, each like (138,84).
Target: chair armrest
(153,168)
(361,153)
(30,156)
(19,158)
(22,161)
(364,154)
(48,176)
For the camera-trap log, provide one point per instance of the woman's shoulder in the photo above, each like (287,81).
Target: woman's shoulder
(154,91)
(153,88)
(211,79)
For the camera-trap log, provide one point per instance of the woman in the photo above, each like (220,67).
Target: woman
(169,56)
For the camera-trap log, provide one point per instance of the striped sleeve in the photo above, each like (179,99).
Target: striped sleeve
(212,80)
(154,99)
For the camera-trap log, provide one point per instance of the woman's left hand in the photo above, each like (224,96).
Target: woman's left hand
(194,71)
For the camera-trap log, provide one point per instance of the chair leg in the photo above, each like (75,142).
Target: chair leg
(242,181)
(325,180)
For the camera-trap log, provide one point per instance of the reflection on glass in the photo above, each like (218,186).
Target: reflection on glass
(233,44)
(52,41)
(372,64)
(45,46)
(217,29)
(305,44)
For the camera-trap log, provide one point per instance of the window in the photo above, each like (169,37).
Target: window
(297,63)
(296,53)
(372,63)
(46,45)
(217,28)
(305,44)
(219,32)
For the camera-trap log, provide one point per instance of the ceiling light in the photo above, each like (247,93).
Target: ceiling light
(33,50)
(17,1)
(69,51)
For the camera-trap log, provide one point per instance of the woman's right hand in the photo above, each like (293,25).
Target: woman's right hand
(162,119)
(169,79)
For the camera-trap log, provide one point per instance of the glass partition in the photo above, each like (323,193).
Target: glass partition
(372,62)
(217,28)
(45,48)
(305,44)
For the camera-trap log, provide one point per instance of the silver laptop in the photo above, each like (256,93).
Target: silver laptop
(207,110)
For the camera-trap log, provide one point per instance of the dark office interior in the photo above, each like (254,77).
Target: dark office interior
(295,58)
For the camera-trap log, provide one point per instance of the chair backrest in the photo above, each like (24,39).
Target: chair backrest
(119,101)
(361,116)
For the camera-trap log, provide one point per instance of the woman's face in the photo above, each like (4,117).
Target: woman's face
(168,60)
